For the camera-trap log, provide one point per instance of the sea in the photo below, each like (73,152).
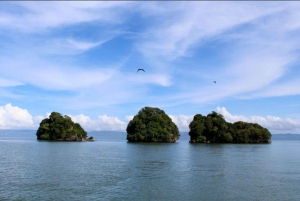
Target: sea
(110,168)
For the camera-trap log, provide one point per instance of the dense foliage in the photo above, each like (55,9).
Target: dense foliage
(58,127)
(152,125)
(214,128)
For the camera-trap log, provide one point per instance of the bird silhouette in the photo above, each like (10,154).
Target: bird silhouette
(140,69)
(215,82)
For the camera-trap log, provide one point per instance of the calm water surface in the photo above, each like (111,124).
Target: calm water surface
(112,169)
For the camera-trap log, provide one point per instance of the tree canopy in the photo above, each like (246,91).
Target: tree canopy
(214,128)
(152,125)
(58,127)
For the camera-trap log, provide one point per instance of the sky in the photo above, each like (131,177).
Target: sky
(81,59)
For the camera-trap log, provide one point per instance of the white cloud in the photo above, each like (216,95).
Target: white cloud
(129,118)
(111,123)
(103,122)
(13,117)
(182,121)
(272,123)
(229,117)
(38,119)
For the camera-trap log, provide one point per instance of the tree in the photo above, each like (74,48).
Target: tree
(226,137)
(214,128)
(152,125)
(197,127)
(58,127)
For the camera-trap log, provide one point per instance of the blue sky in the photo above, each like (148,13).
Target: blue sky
(81,59)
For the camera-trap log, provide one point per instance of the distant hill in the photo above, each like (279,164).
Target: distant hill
(107,135)
(17,133)
(285,137)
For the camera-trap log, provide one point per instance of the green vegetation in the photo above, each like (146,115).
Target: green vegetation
(152,125)
(214,128)
(58,127)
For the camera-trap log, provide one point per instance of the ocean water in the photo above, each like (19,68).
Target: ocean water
(113,169)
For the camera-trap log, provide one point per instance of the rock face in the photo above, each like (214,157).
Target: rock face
(61,128)
(75,138)
(152,125)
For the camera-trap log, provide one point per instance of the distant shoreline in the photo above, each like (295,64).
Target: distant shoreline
(117,134)
(184,132)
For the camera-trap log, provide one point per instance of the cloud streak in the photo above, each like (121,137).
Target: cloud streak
(84,55)
(196,21)
(37,17)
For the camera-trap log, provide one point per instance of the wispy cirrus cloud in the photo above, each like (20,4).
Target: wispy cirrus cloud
(81,45)
(8,82)
(80,48)
(54,76)
(173,38)
(66,46)
(151,78)
(258,51)
(35,17)
(195,21)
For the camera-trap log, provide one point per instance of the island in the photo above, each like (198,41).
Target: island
(214,128)
(61,128)
(152,125)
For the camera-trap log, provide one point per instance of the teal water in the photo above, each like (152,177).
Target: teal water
(112,169)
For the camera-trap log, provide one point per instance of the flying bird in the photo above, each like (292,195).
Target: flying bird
(140,69)
(215,82)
